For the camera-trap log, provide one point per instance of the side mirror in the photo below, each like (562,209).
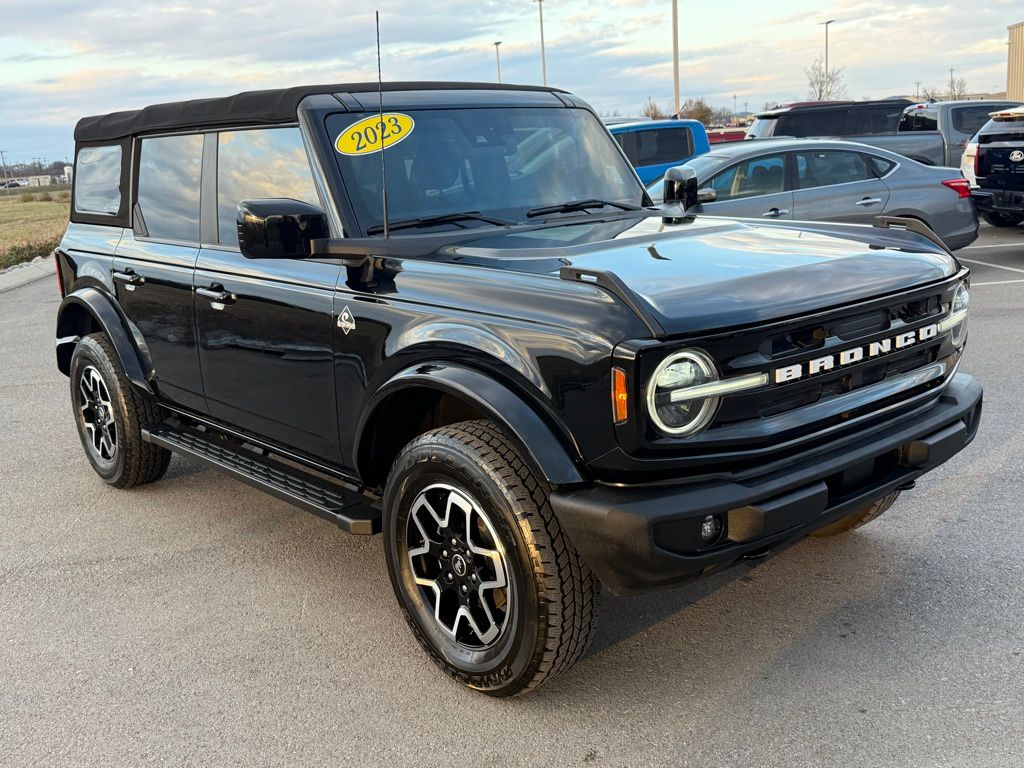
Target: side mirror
(279,228)
(706,195)
(681,186)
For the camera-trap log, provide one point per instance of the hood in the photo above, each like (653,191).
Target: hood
(715,273)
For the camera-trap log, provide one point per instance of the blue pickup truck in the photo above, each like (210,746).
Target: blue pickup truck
(654,146)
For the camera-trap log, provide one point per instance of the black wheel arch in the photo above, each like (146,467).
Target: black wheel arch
(428,395)
(90,310)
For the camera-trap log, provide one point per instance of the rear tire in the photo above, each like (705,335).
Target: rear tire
(856,519)
(110,413)
(490,585)
(1002,219)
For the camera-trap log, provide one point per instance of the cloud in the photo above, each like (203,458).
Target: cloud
(63,58)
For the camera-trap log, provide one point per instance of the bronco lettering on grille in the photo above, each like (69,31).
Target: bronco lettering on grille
(854,354)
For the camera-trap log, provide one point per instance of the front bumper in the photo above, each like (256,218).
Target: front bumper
(642,537)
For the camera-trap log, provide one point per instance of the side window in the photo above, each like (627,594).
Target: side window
(824,168)
(257,164)
(919,120)
(885,119)
(169,171)
(628,143)
(98,180)
(760,176)
(826,122)
(663,146)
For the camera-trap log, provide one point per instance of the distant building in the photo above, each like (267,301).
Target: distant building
(40,181)
(1015,63)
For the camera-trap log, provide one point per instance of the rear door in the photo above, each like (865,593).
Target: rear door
(837,185)
(753,188)
(153,263)
(265,326)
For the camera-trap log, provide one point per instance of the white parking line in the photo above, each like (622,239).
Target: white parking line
(994,245)
(996,282)
(996,266)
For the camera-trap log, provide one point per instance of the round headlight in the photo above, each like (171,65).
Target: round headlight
(671,414)
(961,300)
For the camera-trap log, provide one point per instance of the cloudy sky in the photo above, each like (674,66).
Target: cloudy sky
(61,59)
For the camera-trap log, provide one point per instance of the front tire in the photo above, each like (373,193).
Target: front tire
(860,517)
(490,585)
(110,413)
(1002,219)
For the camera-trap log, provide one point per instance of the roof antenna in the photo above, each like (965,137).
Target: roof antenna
(380,132)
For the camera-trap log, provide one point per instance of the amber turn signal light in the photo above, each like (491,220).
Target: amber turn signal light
(620,396)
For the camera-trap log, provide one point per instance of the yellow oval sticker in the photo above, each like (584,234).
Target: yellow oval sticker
(372,134)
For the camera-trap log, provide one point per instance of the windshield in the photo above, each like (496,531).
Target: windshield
(501,163)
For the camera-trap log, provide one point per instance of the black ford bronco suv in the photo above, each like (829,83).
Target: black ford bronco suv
(449,313)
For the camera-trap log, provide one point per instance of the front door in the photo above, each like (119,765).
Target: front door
(152,266)
(837,185)
(754,188)
(266,326)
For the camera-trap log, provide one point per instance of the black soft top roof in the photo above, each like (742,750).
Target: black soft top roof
(248,108)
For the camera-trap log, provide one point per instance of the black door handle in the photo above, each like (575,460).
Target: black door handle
(127,276)
(217,295)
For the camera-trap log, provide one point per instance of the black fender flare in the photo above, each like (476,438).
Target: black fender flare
(106,315)
(539,443)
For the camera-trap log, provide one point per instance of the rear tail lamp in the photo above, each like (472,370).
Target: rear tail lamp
(962,187)
(60,277)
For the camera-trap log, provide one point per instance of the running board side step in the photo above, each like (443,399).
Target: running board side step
(346,508)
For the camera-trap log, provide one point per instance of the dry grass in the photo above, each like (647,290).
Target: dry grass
(31,224)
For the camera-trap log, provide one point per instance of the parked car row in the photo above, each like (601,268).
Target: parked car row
(827,180)
(933,133)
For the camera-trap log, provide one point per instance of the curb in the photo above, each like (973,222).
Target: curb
(19,276)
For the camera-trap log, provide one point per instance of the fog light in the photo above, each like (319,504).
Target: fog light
(710,528)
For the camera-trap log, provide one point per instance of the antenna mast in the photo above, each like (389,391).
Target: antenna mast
(380,132)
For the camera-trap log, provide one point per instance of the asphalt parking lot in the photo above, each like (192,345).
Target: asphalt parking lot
(197,621)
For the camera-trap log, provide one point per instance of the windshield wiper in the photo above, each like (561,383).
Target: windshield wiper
(443,218)
(580,205)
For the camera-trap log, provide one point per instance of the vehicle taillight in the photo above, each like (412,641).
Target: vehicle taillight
(977,153)
(60,277)
(962,187)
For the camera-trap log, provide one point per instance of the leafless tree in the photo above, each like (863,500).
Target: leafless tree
(652,110)
(823,85)
(956,87)
(931,93)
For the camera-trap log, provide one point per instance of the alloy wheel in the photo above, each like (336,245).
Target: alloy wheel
(97,414)
(459,566)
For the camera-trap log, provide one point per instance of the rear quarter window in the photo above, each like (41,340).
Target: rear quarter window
(97,184)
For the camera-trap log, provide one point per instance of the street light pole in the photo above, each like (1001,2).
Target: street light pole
(675,53)
(497,57)
(828,75)
(543,59)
